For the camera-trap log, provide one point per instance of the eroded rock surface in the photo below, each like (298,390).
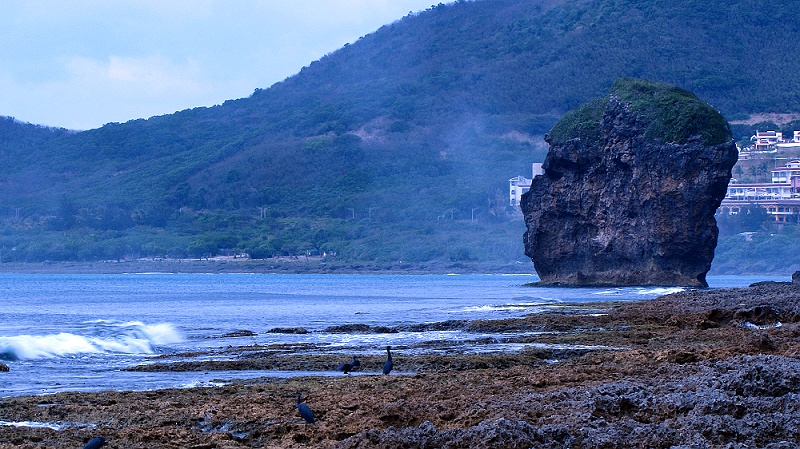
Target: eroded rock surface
(717,369)
(630,187)
(727,402)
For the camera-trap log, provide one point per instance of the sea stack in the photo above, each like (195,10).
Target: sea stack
(630,186)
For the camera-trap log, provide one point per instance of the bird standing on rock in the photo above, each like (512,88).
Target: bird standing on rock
(95,443)
(347,367)
(387,367)
(305,412)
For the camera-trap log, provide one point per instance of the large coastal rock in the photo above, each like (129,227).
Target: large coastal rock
(630,187)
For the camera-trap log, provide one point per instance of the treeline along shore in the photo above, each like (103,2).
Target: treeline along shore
(293,264)
(702,368)
(301,265)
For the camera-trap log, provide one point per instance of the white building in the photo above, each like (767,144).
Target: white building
(516,187)
(766,140)
(790,144)
(784,175)
(780,198)
(520,184)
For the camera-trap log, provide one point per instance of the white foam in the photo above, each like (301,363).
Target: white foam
(750,325)
(506,307)
(660,291)
(648,291)
(158,334)
(203,384)
(37,425)
(123,338)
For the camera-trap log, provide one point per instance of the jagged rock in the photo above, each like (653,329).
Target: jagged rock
(287,330)
(630,187)
(347,328)
(500,433)
(751,397)
(240,333)
(3,367)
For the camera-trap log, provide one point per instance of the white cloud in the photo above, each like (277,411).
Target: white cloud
(83,63)
(154,75)
(90,92)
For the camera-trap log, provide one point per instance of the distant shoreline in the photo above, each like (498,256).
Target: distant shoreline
(299,265)
(294,265)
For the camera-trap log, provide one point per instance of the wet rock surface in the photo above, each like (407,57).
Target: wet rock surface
(629,191)
(710,369)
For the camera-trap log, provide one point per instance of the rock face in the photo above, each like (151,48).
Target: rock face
(630,187)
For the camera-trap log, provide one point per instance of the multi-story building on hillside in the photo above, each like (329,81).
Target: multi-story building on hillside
(770,143)
(766,140)
(780,198)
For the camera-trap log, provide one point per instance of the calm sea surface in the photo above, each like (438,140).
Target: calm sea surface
(76,332)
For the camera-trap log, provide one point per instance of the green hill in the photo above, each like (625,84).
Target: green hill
(395,147)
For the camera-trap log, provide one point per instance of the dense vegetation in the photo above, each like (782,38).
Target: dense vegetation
(670,113)
(580,123)
(395,147)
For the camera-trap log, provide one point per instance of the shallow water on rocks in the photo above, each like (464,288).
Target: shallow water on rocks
(77,332)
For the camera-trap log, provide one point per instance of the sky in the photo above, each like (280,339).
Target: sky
(80,64)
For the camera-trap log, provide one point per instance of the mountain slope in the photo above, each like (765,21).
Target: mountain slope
(377,144)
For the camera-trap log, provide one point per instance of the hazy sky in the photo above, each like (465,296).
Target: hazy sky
(79,64)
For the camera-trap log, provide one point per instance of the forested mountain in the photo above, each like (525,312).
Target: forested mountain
(396,147)
(18,138)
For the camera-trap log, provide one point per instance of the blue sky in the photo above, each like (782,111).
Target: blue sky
(79,64)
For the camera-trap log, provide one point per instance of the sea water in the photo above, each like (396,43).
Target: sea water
(77,332)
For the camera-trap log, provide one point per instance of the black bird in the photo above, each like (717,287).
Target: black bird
(347,367)
(387,367)
(305,412)
(95,443)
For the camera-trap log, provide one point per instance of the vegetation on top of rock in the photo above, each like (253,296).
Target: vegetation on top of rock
(672,114)
(582,123)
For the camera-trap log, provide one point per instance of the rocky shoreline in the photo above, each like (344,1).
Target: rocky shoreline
(697,369)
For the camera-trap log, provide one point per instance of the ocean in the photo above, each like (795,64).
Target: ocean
(77,332)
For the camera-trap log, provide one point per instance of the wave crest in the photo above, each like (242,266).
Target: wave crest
(103,337)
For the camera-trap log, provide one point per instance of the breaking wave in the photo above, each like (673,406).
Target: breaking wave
(642,291)
(520,306)
(104,337)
